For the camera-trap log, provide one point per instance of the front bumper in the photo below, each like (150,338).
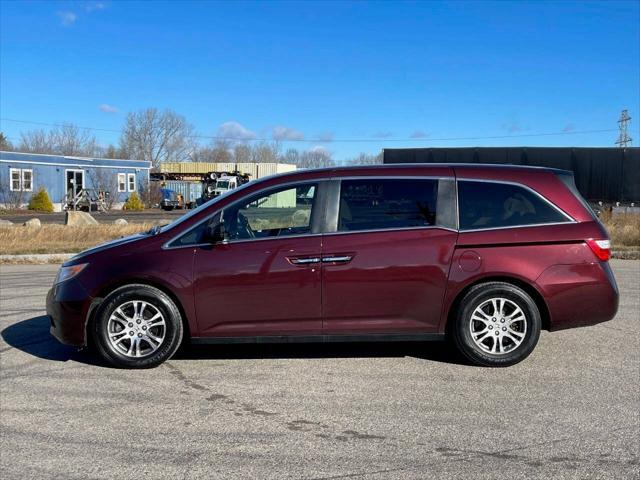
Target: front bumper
(579,295)
(67,309)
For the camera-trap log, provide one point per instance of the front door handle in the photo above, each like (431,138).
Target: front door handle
(337,259)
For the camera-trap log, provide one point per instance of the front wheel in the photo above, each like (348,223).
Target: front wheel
(137,326)
(497,325)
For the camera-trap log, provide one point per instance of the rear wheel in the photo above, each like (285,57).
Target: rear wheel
(497,325)
(137,326)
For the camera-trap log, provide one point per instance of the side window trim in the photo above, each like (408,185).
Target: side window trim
(317,220)
(569,219)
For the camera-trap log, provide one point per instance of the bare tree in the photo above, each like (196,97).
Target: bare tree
(112,152)
(11,199)
(149,192)
(315,158)
(106,183)
(5,144)
(218,151)
(365,159)
(242,153)
(157,137)
(66,139)
(291,156)
(35,141)
(265,152)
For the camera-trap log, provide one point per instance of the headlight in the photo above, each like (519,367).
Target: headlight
(65,273)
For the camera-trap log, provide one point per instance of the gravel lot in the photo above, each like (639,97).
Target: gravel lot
(571,410)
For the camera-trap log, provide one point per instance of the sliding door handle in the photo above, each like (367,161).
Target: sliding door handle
(337,258)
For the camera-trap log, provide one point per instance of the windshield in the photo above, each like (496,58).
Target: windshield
(222,184)
(197,210)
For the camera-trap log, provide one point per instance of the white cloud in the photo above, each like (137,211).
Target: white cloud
(106,108)
(285,133)
(92,6)
(235,131)
(419,134)
(382,134)
(325,137)
(67,18)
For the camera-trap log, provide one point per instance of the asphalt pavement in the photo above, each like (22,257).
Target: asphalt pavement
(347,411)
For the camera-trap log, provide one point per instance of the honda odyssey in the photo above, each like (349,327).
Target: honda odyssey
(485,255)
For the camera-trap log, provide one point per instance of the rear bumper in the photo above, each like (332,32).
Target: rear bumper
(67,306)
(579,295)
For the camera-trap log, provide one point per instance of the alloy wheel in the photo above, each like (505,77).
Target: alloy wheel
(136,329)
(498,326)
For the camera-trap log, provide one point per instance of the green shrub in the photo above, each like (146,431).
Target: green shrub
(40,201)
(134,202)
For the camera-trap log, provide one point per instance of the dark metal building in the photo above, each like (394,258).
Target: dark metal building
(601,174)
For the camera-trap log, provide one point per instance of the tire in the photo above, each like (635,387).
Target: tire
(478,319)
(137,326)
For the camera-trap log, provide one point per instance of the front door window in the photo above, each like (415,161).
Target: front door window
(279,213)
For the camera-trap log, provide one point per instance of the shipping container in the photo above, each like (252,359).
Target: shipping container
(255,170)
(267,169)
(190,191)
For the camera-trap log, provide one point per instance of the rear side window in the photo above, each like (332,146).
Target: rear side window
(496,205)
(569,181)
(375,204)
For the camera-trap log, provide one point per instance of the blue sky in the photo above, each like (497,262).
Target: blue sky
(384,74)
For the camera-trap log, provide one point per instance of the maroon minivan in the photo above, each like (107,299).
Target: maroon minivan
(485,255)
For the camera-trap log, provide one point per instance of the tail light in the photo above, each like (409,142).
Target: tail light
(602,248)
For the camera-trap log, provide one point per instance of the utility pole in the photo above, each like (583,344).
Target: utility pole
(624,140)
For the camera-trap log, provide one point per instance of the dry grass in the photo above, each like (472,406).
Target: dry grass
(61,239)
(624,229)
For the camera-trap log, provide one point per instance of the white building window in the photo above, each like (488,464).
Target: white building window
(132,182)
(122,182)
(27,180)
(21,179)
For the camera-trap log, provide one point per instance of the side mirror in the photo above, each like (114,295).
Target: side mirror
(215,233)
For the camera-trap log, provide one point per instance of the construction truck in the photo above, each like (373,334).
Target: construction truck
(217,183)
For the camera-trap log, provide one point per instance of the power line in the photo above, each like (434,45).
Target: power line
(624,139)
(340,140)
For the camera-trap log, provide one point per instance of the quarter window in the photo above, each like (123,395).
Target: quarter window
(387,204)
(499,205)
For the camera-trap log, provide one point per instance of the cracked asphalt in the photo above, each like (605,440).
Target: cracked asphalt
(363,411)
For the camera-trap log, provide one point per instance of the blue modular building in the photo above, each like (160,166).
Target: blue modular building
(63,177)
